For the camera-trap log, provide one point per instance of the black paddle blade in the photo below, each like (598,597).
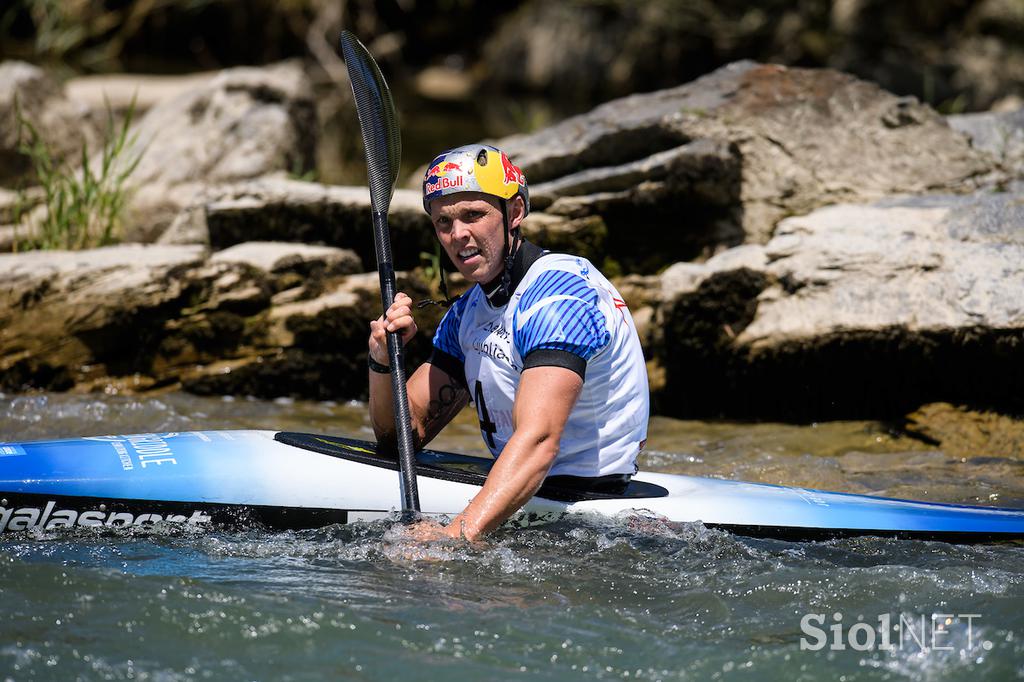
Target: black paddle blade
(383,143)
(378,122)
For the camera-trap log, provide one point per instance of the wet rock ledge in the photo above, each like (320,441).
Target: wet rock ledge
(864,310)
(794,244)
(261,318)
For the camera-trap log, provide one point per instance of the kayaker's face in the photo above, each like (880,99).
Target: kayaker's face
(469,226)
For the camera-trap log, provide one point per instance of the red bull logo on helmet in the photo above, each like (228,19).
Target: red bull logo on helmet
(444,183)
(512,172)
(442,169)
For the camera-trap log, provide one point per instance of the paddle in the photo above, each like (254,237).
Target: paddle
(383,144)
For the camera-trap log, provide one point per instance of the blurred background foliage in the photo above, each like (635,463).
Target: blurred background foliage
(465,69)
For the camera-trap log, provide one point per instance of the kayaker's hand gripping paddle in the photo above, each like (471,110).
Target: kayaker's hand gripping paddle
(382,141)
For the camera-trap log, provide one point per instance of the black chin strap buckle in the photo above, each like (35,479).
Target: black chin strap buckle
(446,303)
(448,300)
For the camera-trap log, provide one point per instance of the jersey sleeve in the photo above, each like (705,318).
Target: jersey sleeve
(559,313)
(447,352)
(446,338)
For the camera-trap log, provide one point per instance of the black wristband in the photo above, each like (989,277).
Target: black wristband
(376,366)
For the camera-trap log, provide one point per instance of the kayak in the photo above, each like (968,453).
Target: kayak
(295,480)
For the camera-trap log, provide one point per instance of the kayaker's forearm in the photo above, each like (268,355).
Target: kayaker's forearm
(434,399)
(516,476)
(545,398)
(382,408)
(382,415)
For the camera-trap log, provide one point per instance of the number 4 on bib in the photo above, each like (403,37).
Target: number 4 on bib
(487,427)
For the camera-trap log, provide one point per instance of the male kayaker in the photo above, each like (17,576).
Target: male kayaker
(543,345)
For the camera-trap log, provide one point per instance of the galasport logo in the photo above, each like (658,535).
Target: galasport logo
(136,453)
(49,517)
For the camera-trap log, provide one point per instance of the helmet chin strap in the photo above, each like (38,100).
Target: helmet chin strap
(510,251)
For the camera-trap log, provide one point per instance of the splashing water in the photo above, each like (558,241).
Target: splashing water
(586,598)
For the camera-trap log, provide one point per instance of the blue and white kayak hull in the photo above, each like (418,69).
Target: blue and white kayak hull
(289,480)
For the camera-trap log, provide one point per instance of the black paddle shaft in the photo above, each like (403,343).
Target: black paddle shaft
(396,355)
(382,141)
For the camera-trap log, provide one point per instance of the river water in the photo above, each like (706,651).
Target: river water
(623,598)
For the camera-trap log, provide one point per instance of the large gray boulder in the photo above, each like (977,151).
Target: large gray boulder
(1000,134)
(854,310)
(719,161)
(241,124)
(235,125)
(63,125)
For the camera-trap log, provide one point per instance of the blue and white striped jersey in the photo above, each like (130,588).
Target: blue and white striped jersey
(562,312)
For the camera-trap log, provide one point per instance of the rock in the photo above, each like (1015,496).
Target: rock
(278,257)
(642,198)
(10,207)
(854,310)
(120,91)
(277,209)
(962,432)
(445,84)
(582,237)
(639,290)
(63,312)
(240,124)
(314,348)
(63,124)
(719,161)
(256,319)
(683,167)
(9,237)
(17,210)
(152,209)
(999,134)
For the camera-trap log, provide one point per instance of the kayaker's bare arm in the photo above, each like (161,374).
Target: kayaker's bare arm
(434,396)
(544,400)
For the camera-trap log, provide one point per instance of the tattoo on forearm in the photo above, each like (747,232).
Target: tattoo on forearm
(447,395)
(450,399)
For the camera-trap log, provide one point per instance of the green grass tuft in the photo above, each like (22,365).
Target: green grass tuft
(84,204)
